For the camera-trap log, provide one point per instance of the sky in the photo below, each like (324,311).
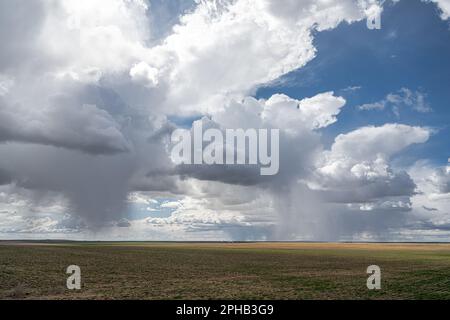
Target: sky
(90,92)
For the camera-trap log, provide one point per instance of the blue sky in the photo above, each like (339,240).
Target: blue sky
(411,50)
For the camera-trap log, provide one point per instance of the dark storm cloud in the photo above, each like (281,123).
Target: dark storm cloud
(230,174)
(5,177)
(399,185)
(96,185)
(62,124)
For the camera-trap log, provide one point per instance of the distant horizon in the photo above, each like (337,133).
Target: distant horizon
(224,241)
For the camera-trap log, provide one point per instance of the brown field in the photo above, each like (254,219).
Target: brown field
(141,270)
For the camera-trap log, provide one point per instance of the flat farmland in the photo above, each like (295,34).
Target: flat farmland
(141,270)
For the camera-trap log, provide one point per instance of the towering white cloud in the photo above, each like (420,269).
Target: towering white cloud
(357,170)
(227,48)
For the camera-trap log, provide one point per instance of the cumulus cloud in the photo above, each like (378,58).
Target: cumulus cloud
(265,43)
(144,74)
(404,98)
(356,169)
(74,38)
(281,111)
(368,142)
(317,112)
(431,205)
(441,179)
(62,124)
